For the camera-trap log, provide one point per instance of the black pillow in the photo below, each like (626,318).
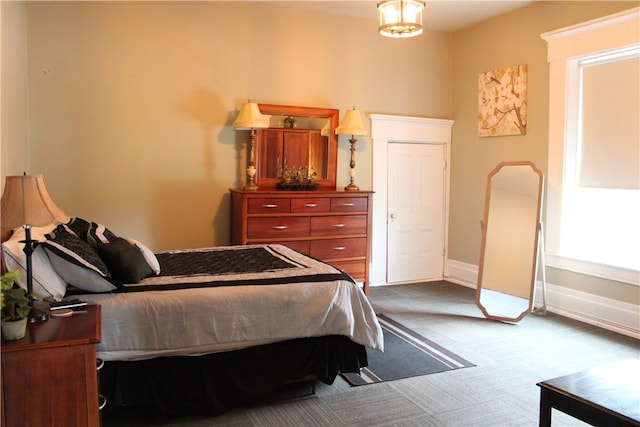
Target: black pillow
(125,261)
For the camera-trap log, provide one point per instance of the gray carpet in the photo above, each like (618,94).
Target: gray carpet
(406,354)
(499,391)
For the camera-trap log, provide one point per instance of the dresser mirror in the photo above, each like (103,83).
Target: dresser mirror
(298,139)
(511,235)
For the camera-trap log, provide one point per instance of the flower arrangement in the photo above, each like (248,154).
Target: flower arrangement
(296,178)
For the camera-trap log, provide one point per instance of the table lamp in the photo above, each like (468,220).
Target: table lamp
(26,203)
(250,118)
(352,125)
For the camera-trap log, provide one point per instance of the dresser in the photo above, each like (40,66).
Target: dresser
(333,226)
(49,378)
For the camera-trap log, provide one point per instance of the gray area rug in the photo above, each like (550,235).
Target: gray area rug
(406,354)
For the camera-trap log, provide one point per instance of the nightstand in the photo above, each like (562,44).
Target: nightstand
(49,377)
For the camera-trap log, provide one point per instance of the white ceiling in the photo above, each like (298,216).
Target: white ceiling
(440,15)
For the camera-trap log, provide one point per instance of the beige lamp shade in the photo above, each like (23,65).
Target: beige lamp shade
(352,124)
(250,117)
(26,202)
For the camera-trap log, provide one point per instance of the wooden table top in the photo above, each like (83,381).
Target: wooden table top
(83,327)
(615,387)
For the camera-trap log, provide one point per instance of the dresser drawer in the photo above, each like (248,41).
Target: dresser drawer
(339,248)
(277,228)
(311,205)
(349,204)
(338,225)
(274,205)
(301,246)
(355,268)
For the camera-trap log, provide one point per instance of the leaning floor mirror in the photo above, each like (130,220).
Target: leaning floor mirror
(511,241)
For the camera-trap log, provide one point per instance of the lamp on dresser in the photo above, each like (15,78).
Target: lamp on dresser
(26,203)
(250,118)
(352,125)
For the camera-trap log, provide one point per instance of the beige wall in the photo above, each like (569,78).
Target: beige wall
(14,127)
(131,102)
(505,41)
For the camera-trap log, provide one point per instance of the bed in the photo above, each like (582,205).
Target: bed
(201,331)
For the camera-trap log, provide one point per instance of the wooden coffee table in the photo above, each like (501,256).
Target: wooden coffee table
(604,396)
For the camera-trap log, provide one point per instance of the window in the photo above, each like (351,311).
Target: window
(601,197)
(593,202)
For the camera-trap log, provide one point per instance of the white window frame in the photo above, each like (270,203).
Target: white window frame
(565,48)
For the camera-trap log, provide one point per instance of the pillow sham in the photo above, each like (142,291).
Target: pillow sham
(80,227)
(78,276)
(47,283)
(124,260)
(98,234)
(76,261)
(148,255)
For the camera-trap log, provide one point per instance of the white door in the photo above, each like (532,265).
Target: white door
(415,231)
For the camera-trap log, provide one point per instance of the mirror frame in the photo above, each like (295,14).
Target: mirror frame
(536,242)
(283,110)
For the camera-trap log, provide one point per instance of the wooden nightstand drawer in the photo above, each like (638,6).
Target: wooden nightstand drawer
(266,206)
(277,228)
(349,204)
(310,205)
(339,248)
(338,225)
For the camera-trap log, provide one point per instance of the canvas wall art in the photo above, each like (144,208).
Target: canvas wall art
(502,102)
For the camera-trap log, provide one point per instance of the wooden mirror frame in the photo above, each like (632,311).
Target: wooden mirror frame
(332,114)
(511,243)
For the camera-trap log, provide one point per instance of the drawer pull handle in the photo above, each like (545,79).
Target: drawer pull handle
(279,227)
(102,402)
(339,248)
(339,225)
(310,205)
(348,205)
(99,364)
(270,206)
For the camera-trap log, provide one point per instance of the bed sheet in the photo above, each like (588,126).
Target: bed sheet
(240,311)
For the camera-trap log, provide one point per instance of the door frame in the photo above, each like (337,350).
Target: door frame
(388,129)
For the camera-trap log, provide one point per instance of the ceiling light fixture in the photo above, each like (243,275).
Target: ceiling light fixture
(400,18)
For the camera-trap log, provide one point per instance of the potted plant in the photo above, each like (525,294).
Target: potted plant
(14,304)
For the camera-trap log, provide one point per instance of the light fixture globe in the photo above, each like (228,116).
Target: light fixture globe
(400,18)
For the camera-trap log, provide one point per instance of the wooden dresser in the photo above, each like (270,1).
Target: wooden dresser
(333,226)
(49,377)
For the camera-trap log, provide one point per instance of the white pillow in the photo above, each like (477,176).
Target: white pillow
(76,261)
(148,254)
(47,283)
(80,277)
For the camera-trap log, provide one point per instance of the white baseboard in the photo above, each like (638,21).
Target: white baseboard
(604,312)
(461,273)
(593,309)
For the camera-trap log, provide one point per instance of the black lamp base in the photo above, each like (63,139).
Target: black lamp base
(36,315)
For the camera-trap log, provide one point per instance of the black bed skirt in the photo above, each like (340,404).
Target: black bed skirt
(214,383)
